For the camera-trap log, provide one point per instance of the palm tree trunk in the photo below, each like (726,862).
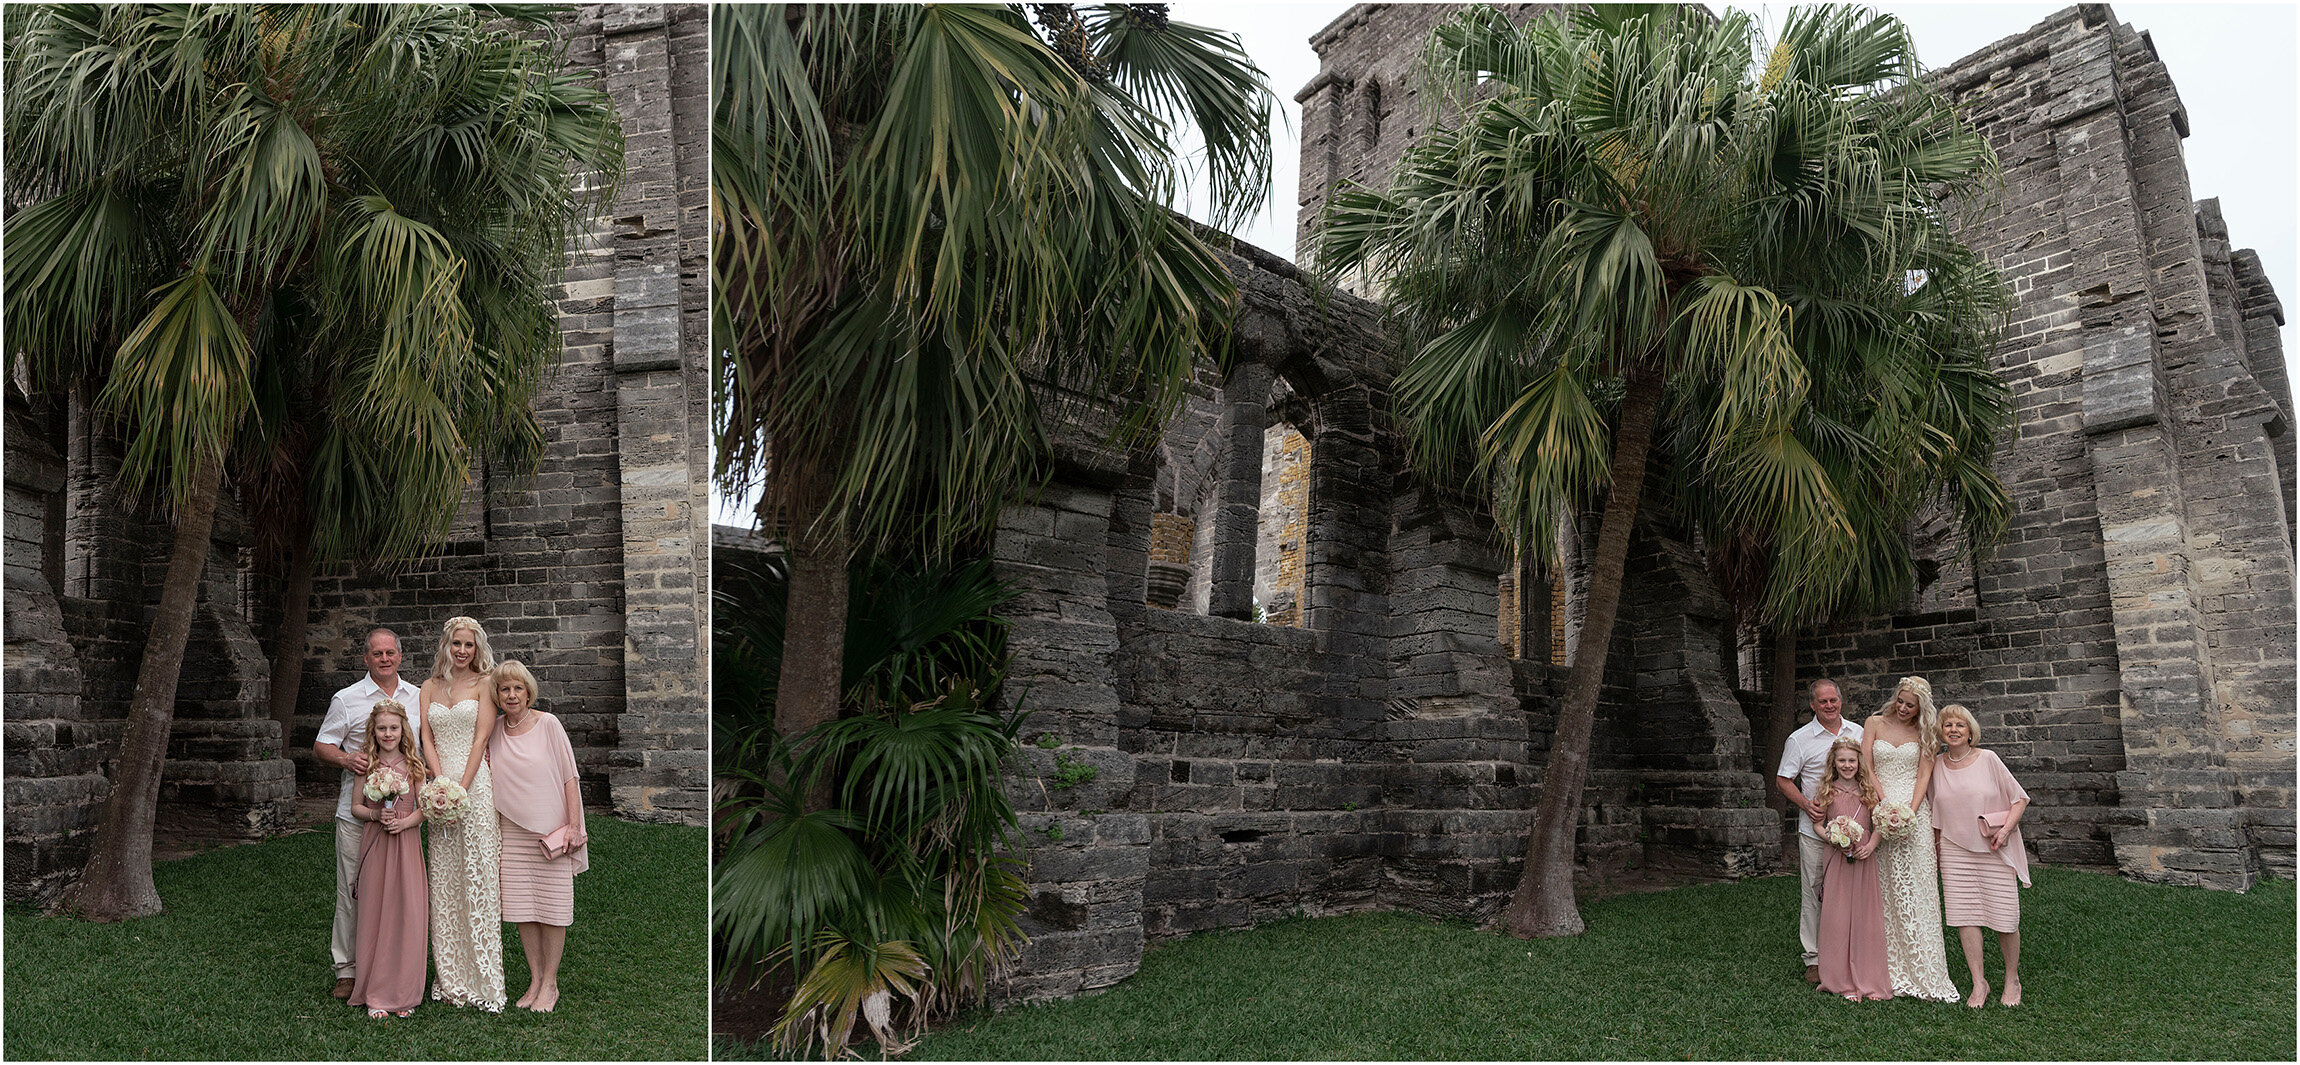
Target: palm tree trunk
(814,634)
(116,884)
(289,644)
(1543,904)
(1781,712)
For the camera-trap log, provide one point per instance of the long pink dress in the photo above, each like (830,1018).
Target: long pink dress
(1852,915)
(390,950)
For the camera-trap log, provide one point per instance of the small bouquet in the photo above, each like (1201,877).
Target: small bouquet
(444,801)
(1893,820)
(384,782)
(1844,833)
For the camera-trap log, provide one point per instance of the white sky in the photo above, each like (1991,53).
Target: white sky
(2234,65)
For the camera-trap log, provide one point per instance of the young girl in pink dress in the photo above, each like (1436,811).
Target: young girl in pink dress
(1852,931)
(390,950)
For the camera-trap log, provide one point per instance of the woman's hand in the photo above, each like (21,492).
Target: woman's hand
(2001,836)
(1866,847)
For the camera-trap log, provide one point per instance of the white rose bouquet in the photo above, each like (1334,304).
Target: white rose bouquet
(384,782)
(1893,820)
(1843,833)
(444,801)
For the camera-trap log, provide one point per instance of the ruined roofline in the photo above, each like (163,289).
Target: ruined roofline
(1972,67)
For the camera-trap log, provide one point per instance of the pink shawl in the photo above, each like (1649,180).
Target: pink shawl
(531,772)
(1961,796)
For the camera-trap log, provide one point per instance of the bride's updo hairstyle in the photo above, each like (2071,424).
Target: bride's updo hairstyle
(482,662)
(1928,718)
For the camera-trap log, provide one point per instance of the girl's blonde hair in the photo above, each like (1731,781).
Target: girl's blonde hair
(409,746)
(482,662)
(1972,726)
(511,669)
(1864,782)
(1928,719)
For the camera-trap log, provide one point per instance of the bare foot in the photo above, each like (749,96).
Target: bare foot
(545,1000)
(377,1015)
(527,999)
(1980,995)
(1853,997)
(2011,995)
(1880,998)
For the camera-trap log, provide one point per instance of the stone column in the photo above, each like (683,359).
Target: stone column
(655,56)
(1237,510)
(1087,854)
(55,784)
(2114,166)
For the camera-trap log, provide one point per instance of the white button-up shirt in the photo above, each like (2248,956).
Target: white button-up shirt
(346,725)
(1805,759)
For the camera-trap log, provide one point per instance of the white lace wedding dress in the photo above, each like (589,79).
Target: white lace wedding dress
(465,868)
(1916,942)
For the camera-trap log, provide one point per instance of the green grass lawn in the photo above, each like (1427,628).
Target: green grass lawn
(2111,968)
(238,967)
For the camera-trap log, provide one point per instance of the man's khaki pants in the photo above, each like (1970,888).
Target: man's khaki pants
(346,911)
(1812,867)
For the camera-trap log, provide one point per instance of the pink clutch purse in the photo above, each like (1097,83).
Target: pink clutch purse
(1991,822)
(555,844)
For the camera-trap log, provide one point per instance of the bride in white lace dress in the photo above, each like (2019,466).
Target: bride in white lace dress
(1898,745)
(466,856)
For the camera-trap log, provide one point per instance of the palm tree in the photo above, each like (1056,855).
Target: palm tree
(1639,249)
(929,223)
(308,245)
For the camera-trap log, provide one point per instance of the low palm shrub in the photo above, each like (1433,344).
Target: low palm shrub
(867,855)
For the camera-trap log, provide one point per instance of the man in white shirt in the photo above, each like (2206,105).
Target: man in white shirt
(342,743)
(1804,765)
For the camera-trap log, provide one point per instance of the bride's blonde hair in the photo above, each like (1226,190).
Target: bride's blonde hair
(482,662)
(1928,719)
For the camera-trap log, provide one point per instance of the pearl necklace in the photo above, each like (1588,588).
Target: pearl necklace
(1954,760)
(514,727)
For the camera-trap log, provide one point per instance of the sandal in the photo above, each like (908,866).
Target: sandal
(405,1013)
(377,1015)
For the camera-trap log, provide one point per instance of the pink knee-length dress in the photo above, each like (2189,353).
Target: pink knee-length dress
(1852,915)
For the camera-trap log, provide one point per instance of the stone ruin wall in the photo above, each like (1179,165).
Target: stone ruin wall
(588,571)
(2129,647)
(2136,656)
(1381,751)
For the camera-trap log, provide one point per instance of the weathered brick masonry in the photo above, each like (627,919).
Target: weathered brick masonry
(1377,749)
(590,571)
(2128,648)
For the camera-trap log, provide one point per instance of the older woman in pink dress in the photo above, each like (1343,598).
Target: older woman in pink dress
(1977,806)
(540,808)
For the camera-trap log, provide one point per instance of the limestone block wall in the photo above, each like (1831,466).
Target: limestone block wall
(54,751)
(2129,647)
(1383,754)
(591,571)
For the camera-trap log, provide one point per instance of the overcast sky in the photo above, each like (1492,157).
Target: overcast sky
(2233,64)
